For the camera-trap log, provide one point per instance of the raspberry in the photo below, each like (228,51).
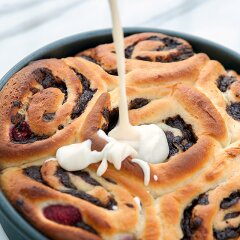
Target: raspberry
(21,132)
(63,214)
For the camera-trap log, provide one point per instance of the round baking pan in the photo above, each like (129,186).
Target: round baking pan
(16,227)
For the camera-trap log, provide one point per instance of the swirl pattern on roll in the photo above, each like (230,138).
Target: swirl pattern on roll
(50,103)
(44,105)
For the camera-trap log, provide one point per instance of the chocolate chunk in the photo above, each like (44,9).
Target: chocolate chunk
(183,53)
(224,82)
(169,43)
(129,205)
(87,178)
(84,97)
(189,223)
(113,119)
(129,50)
(112,71)
(45,77)
(234,110)
(231,215)
(16,103)
(195,223)
(48,117)
(34,90)
(227,233)
(138,103)
(110,180)
(231,200)
(144,58)
(84,196)
(203,199)
(86,227)
(183,142)
(64,178)
(17,118)
(34,172)
(172,148)
(60,127)
(111,202)
(90,59)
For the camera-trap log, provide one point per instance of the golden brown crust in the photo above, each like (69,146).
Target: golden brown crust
(181,208)
(45,87)
(53,102)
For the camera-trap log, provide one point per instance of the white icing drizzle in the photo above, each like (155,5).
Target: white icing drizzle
(114,207)
(78,156)
(155,177)
(138,202)
(123,126)
(145,143)
(146,169)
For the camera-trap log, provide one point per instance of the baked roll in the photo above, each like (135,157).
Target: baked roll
(44,105)
(50,103)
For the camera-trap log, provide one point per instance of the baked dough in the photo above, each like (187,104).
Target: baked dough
(194,194)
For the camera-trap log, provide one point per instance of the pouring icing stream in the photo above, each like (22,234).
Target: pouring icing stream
(145,143)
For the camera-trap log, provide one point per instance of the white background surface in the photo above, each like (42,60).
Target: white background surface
(26,25)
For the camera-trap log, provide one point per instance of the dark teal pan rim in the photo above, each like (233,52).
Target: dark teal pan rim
(17,227)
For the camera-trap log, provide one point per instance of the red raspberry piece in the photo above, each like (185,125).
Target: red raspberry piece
(63,214)
(21,132)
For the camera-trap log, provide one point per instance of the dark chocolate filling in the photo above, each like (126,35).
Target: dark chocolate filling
(34,172)
(90,59)
(34,90)
(16,103)
(84,97)
(231,215)
(47,80)
(189,223)
(17,118)
(183,142)
(60,127)
(112,71)
(22,134)
(86,227)
(85,196)
(227,233)
(129,205)
(110,180)
(234,110)
(47,117)
(171,140)
(65,180)
(224,82)
(129,50)
(231,200)
(138,103)
(144,58)
(87,178)
(112,120)
(183,52)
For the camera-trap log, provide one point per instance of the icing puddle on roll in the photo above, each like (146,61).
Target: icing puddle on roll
(145,143)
